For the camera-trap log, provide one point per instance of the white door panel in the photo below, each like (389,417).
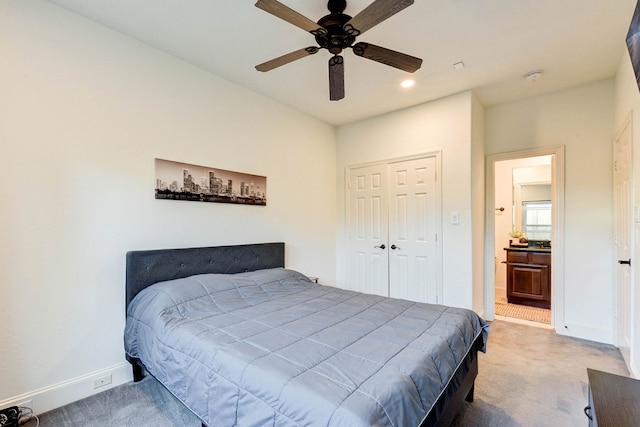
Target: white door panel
(368,230)
(395,205)
(623,218)
(412,230)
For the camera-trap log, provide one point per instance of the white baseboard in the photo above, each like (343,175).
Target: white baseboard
(63,393)
(524,322)
(586,332)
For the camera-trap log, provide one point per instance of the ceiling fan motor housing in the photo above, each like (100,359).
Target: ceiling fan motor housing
(336,38)
(337,6)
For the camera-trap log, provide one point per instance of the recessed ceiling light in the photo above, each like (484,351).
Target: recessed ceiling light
(408,83)
(459,65)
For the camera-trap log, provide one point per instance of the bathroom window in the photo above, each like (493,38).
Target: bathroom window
(536,220)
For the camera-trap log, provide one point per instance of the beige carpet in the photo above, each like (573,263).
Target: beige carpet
(523,312)
(533,377)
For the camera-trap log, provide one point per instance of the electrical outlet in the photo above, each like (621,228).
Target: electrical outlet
(102,381)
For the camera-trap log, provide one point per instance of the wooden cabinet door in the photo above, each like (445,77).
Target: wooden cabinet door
(529,278)
(529,284)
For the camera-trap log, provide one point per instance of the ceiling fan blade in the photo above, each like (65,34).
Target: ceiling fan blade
(374,14)
(287,58)
(336,78)
(387,56)
(281,11)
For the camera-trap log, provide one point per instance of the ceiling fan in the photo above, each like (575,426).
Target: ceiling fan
(338,31)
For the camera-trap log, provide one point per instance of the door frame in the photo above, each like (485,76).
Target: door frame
(557,232)
(438,190)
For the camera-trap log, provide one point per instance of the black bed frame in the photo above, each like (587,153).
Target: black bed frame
(145,268)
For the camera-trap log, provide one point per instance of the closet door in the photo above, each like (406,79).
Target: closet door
(413,221)
(393,222)
(368,230)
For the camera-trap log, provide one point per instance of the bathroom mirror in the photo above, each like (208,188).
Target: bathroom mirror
(532,210)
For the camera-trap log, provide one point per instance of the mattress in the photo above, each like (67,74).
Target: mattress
(270,347)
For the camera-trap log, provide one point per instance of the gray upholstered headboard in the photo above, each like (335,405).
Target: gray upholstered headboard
(145,268)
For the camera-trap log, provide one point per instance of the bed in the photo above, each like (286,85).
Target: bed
(243,341)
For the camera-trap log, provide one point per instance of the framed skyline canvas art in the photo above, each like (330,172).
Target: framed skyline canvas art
(184,181)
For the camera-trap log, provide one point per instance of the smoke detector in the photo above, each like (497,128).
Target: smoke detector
(533,76)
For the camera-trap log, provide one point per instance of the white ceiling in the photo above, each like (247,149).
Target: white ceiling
(572,41)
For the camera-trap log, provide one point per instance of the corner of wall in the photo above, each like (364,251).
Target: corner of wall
(478,203)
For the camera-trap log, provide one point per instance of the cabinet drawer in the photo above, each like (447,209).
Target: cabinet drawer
(540,258)
(514,256)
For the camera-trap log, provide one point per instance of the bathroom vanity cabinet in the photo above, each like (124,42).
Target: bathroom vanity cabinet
(529,276)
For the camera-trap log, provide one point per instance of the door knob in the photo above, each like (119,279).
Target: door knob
(394,247)
(382,246)
(622,261)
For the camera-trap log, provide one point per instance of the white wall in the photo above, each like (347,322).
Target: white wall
(581,119)
(440,125)
(627,94)
(83,113)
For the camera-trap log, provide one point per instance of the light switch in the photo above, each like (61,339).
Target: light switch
(455,218)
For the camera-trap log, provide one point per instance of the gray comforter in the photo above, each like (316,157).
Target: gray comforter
(271,348)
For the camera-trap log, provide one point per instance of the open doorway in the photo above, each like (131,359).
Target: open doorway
(523,245)
(525,195)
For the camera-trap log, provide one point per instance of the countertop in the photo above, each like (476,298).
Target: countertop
(527,249)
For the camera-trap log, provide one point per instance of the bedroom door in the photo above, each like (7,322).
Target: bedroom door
(623,242)
(393,228)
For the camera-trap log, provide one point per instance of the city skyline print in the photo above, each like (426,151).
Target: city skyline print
(184,181)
